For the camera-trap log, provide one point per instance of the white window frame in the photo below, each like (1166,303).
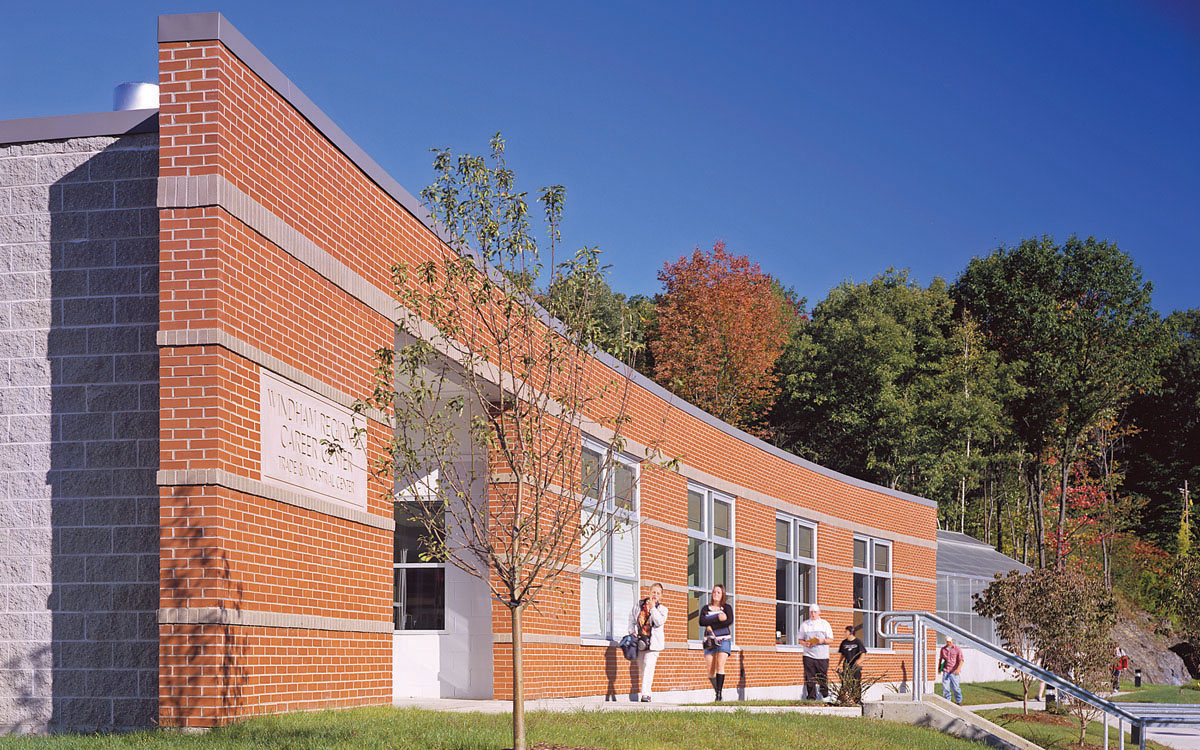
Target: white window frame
(616,521)
(870,609)
(796,607)
(400,602)
(706,538)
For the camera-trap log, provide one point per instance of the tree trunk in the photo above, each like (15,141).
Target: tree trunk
(998,502)
(1038,510)
(1104,557)
(987,516)
(1060,546)
(962,505)
(518,678)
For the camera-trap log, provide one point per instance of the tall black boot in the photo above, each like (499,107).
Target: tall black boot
(713,681)
(719,684)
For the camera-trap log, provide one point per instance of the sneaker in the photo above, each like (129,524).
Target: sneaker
(645,699)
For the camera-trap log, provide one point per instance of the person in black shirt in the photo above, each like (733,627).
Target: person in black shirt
(716,617)
(852,650)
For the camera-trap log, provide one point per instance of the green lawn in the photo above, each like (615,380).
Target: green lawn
(1159,693)
(405,729)
(978,693)
(1052,737)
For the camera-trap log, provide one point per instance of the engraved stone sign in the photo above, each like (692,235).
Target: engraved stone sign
(294,422)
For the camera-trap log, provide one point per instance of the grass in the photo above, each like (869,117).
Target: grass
(405,729)
(1052,737)
(1004,691)
(979,693)
(1159,693)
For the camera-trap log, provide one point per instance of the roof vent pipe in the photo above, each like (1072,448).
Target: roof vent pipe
(135,95)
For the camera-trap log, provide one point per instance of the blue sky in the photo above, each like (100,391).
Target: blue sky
(827,141)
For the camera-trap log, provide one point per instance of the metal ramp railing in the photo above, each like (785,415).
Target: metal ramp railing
(919,625)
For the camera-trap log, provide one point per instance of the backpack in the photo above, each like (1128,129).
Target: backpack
(629,647)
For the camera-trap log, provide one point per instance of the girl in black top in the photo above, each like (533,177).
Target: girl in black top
(716,617)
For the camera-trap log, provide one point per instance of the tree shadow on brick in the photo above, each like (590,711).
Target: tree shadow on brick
(203,677)
(102,367)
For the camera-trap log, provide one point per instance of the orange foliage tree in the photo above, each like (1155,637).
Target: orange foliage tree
(722,324)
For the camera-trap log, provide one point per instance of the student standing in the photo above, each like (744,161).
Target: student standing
(716,617)
(816,635)
(646,622)
(951,658)
(852,650)
(1120,662)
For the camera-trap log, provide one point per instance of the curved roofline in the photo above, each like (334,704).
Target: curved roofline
(196,27)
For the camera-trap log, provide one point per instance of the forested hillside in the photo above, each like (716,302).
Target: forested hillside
(1039,397)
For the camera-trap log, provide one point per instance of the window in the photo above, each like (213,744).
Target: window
(710,550)
(955,602)
(795,576)
(608,583)
(872,586)
(419,577)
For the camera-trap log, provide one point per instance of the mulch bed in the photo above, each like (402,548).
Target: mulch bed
(1053,720)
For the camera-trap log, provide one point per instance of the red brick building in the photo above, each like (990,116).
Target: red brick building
(278,583)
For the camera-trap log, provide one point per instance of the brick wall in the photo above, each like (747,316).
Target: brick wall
(271,601)
(274,240)
(78,502)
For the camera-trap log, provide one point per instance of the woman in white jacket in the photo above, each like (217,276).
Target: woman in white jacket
(646,623)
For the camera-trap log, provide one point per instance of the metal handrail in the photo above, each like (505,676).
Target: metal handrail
(920,623)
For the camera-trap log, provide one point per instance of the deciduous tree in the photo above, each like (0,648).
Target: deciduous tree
(486,397)
(720,330)
(1071,618)
(1006,601)
(1077,319)
(1165,451)
(856,384)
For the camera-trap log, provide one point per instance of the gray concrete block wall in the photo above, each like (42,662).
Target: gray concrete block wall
(79,423)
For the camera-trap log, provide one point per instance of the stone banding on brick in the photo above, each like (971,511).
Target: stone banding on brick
(245,485)
(214,26)
(257,619)
(226,340)
(214,190)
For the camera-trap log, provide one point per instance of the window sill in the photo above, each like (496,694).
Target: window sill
(699,646)
(420,632)
(787,647)
(585,640)
(881,651)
